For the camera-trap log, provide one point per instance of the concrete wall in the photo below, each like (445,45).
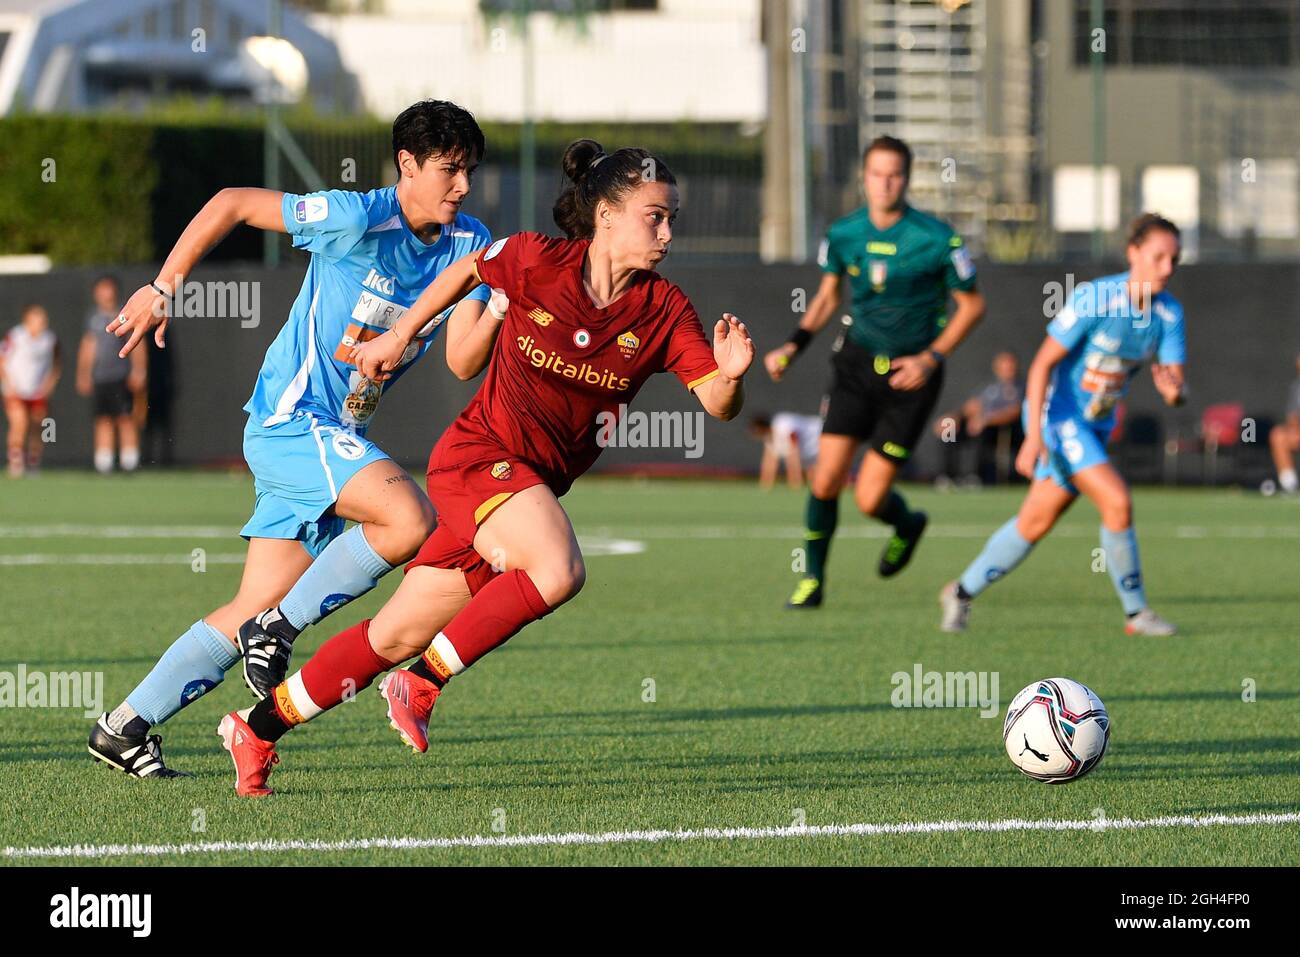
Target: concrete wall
(1242,330)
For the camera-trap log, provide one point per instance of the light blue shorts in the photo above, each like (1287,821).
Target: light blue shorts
(299,467)
(1073,444)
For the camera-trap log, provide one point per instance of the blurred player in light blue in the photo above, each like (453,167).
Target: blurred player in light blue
(1094,346)
(371,255)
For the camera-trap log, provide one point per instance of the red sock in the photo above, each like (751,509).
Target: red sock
(501,607)
(340,668)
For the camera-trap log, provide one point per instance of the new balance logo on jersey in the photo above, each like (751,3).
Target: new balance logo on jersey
(379,283)
(541,317)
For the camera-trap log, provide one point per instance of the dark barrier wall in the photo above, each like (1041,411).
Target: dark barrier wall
(1242,323)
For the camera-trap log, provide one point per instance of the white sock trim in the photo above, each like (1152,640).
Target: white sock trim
(447,652)
(300,698)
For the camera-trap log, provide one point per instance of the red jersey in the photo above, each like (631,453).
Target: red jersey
(559,361)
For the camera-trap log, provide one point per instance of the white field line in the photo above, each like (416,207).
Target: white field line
(39,558)
(645,837)
(877,530)
(591,548)
(118,531)
(680,532)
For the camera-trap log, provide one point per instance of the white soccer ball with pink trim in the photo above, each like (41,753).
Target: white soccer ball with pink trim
(1056,730)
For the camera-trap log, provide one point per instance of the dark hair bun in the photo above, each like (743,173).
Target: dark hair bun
(579,157)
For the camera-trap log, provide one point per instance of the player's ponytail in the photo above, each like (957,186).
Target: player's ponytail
(591,175)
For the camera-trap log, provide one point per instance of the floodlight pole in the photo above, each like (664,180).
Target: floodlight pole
(527,133)
(1098,65)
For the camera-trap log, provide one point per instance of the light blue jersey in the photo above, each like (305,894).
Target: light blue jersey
(1108,339)
(310,409)
(366,270)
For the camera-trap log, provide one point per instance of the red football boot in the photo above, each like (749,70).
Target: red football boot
(253,757)
(410,701)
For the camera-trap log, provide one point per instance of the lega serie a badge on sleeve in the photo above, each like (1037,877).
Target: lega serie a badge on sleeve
(311,209)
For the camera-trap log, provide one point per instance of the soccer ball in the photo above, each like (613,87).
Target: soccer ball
(1056,730)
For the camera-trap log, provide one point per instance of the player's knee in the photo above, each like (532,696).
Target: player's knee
(1032,526)
(826,484)
(870,499)
(1118,515)
(560,581)
(407,525)
(398,644)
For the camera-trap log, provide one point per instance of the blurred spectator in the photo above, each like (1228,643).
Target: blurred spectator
(989,420)
(113,383)
(29,371)
(1284,439)
(788,438)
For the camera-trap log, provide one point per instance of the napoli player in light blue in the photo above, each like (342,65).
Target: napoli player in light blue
(305,442)
(1094,347)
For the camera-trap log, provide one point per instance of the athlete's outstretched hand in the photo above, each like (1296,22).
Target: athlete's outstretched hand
(377,358)
(145,310)
(732,347)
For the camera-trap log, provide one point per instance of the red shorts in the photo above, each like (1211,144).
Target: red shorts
(464,496)
(36,408)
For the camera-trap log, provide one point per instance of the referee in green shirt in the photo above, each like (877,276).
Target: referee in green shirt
(887,367)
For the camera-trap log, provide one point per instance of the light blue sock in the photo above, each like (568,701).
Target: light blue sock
(347,569)
(1125,568)
(194,665)
(1005,549)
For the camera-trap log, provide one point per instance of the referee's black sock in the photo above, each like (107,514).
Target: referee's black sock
(894,510)
(822,515)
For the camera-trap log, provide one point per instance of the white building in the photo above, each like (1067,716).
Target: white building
(693,60)
(88,55)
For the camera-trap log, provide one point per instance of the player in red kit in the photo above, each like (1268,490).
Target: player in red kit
(588,322)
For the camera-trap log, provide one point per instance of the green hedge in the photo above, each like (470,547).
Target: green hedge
(96,208)
(124,188)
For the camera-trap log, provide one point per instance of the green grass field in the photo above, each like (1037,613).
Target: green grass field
(761,718)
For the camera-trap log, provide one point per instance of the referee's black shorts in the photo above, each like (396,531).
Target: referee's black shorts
(861,403)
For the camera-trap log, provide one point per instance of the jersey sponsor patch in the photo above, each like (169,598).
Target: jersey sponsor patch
(962,263)
(495,248)
(376,311)
(359,405)
(311,209)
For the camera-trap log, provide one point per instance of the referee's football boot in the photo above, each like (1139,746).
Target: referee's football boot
(807,594)
(898,550)
(266,642)
(137,756)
